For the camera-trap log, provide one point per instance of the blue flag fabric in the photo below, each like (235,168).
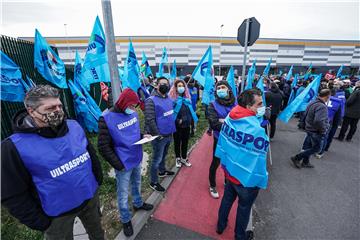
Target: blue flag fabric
(308,72)
(145,68)
(338,74)
(200,71)
(78,68)
(173,71)
(163,62)
(300,103)
(267,68)
(230,78)
(48,63)
(87,116)
(12,85)
(250,76)
(242,148)
(96,67)
(209,84)
(260,85)
(131,70)
(179,102)
(290,73)
(293,84)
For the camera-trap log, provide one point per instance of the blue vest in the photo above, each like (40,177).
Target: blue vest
(333,106)
(341,95)
(164,115)
(242,148)
(222,111)
(125,131)
(60,167)
(194,96)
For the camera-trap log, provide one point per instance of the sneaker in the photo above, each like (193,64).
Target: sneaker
(128,229)
(166,173)
(145,206)
(213,192)
(307,165)
(178,162)
(296,162)
(318,156)
(157,187)
(249,235)
(186,162)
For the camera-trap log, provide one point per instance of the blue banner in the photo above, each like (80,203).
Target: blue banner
(300,103)
(293,84)
(267,68)
(289,74)
(230,78)
(207,71)
(242,148)
(173,71)
(199,73)
(145,68)
(96,67)
(48,63)
(260,85)
(131,70)
(163,62)
(308,72)
(251,75)
(338,74)
(12,86)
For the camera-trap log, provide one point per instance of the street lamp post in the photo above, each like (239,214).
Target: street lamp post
(221,33)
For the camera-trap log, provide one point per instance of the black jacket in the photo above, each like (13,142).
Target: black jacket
(352,107)
(18,192)
(316,117)
(106,144)
(274,100)
(185,116)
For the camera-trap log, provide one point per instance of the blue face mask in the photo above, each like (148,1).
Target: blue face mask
(260,111)
(222,93)
(129,111)
(181,90)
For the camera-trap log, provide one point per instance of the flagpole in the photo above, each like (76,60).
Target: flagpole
(245,53)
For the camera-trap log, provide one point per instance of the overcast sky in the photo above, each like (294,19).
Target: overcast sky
(306,19)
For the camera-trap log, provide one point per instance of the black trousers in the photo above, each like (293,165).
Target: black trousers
(214,166)
(181,140)
(272,121)
(345,125)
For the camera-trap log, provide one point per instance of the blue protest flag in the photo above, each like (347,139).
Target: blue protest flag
(132,70)
(78,68)
(173,71)
(260,85)
(338,74)
(86,115)
(293,84)
(251,75)
(267,68)
(12,85)
(200,71)
(145,68)
(308,72)
(300,103)
(209,85)
(289,74)
(230,78)
(163,62)
(48,63)
(96,67)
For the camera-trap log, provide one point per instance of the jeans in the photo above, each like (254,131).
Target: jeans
(345,125)
(329,138)
(181,141)
(63,227)
(125,178)
(312,144)
(160,149)
(246,197)
(214,166)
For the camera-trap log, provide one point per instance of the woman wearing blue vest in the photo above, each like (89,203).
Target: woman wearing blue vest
(217,112)
(50,173)
(159,121)
(119,129)
(184,114)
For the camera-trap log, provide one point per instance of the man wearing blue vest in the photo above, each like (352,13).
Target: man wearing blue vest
(217,112)
(119,129)
(242,148)
(50,173)
(159,121)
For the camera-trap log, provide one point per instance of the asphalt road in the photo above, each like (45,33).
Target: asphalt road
(318,203)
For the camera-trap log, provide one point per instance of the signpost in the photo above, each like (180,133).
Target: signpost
(248,33)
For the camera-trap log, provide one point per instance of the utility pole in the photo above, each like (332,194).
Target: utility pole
(111,51)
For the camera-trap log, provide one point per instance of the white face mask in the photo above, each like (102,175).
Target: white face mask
(260,111)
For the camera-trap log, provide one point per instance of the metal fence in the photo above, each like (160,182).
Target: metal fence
(22,53)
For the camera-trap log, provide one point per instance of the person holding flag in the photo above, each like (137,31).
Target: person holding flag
(119,129)
(50,172)
(316,126)
(242,148)
(159,121)
(184,115)
(217,112)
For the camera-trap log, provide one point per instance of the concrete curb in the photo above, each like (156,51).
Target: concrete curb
(141,217)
